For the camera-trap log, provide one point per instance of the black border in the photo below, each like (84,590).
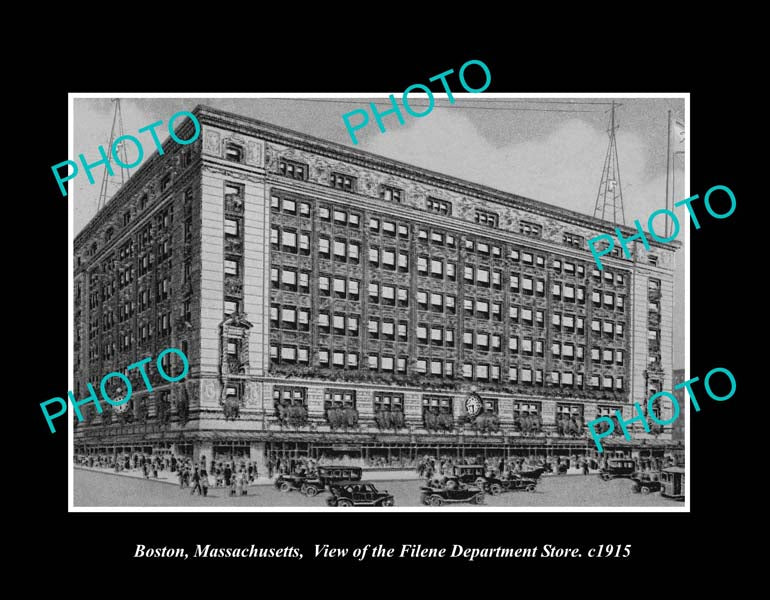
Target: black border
(660,541)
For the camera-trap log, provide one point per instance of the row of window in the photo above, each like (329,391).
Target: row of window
(393,228)
(291,353)
(290,395)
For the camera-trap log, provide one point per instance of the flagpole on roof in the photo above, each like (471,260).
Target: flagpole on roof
(668,164)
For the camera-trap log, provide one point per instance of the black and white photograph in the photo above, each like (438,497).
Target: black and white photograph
(331,302)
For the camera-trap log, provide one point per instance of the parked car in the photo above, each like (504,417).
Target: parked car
(451,491)
(618,467)
(287,482)
(315,482)
(326,475)
(644,483)
(672,483)
(533,474)
(516,481)
(477,474)
(357,493)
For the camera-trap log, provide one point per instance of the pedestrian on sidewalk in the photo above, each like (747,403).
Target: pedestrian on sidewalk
(205,482)
(196,478)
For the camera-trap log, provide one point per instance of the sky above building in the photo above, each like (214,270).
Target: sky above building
(547,149)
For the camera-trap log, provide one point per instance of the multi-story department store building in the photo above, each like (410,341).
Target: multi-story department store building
(342,305)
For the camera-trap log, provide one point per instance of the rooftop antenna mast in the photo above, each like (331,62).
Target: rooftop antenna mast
(609,199)
(117,128)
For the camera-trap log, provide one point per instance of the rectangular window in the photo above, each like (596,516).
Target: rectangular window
(339,287)
(527,285)
(422,300)
(441,207)
(403,262)
(436,268)
(231,227)
(436,302)
(340,217)
(231,267)
(391,194)
(389,259)
(531,229)
(233,152)
(487,218)
(324,247)
(342,182)
(292,169)
(403,297)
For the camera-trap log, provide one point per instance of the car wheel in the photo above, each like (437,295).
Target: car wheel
(436,500)
(344,502)
(495,489)
(605,477)
(303,489)
(481,482)
(478,499)
(531,487)
(285,487)
(645,489)
(388,502)
(311,490)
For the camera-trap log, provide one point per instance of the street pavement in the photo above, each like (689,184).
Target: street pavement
(95,488)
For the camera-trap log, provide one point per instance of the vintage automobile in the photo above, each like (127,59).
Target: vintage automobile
(618,467)
(644,483)
(476,474)
(325,476)
(672,483)
(515,481)
(533,474)
(357,493)
(313,483)
(451,491)
(287,482)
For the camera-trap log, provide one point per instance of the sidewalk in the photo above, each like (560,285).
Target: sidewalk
(173,478)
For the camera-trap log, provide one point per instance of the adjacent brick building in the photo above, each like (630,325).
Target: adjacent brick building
(343,305)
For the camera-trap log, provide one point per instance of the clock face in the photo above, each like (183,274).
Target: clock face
(473,405)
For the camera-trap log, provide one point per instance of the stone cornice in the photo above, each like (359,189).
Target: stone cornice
(282,135)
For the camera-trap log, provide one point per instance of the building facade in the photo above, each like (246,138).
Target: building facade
(350,307)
